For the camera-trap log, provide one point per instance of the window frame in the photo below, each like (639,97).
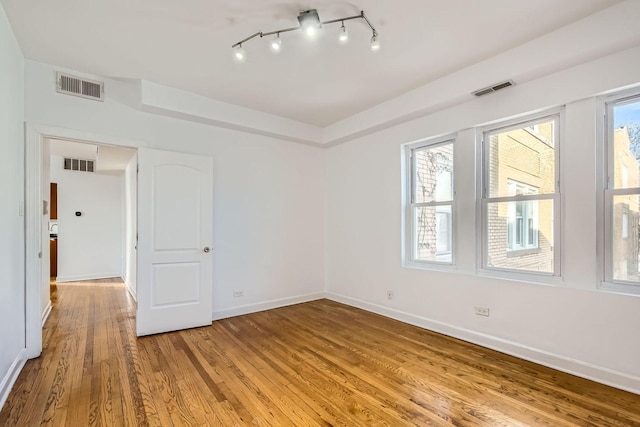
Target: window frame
(609,193)
(484,200)
(409,243)
(512,226)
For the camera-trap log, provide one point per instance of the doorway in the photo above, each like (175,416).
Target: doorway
(37,219)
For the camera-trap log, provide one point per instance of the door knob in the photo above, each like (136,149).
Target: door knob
(207,249)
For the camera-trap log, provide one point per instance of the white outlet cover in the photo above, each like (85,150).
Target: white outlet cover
(482,311)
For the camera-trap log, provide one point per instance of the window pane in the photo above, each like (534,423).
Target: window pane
(433,174)
(432,233)
(626,145)
(520,235)
(625,237)
(525,155)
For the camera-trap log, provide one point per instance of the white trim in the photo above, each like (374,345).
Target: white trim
(555,361)
(620,288)
(12,375)
(34,135)
(46,312)
(131,291)
(33,241)
(408,205)
(265,305)
(606,191)
(601,165)
(83,277)
(74,135)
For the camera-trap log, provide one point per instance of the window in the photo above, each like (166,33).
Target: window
(520,200)
(622,191)
(430,205)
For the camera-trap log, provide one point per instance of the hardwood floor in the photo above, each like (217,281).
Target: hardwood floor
(319,363)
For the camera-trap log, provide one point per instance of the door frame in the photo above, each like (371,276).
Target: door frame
(34,135)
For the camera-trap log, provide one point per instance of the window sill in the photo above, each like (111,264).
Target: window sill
(432,266)
(620,288)
(544,279)
(522,276)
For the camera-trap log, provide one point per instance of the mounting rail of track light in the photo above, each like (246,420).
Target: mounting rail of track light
(310,24)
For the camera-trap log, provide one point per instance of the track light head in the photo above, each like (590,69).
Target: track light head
(343,35)
(238,53)
(309,22)
(276,43)
(375,43)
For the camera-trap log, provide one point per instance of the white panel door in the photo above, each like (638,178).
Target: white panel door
(175,203)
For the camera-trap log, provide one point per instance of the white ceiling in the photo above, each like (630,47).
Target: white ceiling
(187,45)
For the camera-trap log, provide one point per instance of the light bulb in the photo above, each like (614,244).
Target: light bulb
(238,53)
(343,36)
(310,31)
(375,43)
(276,43)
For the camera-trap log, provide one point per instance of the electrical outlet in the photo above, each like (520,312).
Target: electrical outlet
(389,294)
(482,311)
(237,294)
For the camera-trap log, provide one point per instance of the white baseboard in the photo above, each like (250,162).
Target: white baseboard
(46,312)
(266,305)
(82,277)
(11,376)
(561,363)
(132,292)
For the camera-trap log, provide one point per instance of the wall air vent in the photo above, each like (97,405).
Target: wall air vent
(77,86)
(79,165)
(494,88)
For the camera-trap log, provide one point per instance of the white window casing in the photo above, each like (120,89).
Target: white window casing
(429,231)
(510,212)
(621,195)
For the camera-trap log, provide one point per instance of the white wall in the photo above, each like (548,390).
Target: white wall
(90,245)
(130,191)
(569,324)
(12,310)
(268,193)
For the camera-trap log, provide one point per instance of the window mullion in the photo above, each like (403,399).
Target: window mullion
(521,198)
(428,204)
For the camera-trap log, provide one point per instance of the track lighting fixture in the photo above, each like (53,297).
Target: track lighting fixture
(310,24)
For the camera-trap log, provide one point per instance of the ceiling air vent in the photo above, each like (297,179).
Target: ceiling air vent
(79,165)
(494,88)
(84,88)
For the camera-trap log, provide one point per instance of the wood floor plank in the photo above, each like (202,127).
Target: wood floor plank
(315,364)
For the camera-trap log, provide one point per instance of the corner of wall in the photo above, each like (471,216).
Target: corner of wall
(12,375)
